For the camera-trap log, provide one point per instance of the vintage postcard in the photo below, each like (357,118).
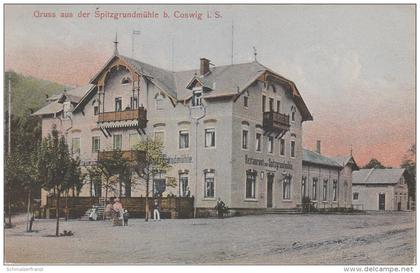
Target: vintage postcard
(186,134)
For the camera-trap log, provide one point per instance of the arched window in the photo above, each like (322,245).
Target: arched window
(125,80)
(293,113)
(314,187)
(287,187)
(303,186)
(159,99)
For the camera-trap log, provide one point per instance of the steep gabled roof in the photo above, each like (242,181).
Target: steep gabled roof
(318,159)
(377,176)
(343,160)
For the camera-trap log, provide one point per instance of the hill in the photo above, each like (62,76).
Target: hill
(28,93)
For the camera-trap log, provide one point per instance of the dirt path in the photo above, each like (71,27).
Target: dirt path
(269,239)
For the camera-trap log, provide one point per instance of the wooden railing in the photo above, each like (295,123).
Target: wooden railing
(139,114)
(129,155)
(171,207)
(274,121)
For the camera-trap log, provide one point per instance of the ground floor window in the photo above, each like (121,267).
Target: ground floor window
(209,184)
(251,178)
(96,144)
(314,187)
(183,185)
(355,196)
(324,190)
(75,145)
(286,187)
(117,142)
(303,194)
(159,184)
(334,190)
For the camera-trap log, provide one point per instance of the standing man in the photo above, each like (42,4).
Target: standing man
(156,208)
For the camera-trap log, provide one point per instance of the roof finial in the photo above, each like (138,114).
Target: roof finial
(116,44)
(255,53)
(351,149)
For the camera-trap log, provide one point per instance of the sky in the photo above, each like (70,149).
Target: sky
(354,65)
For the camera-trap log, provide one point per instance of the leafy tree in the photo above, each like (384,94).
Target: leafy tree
(149,160)
(111,165)
(74,180)
(13,182)
(375,164)
(95,179)
(53,166)
(409,164)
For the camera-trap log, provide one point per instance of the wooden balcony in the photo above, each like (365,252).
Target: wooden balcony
(139,114)
(127,155)
(276,122)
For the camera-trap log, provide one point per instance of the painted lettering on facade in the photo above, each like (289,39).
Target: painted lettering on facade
(270,163)
(179,159)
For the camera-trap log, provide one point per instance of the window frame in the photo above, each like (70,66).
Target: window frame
(114,137)
(253,194)
(259,142)
(197,101)
(246,146)
(282,147)
(270,145)
(118,101)
(183,133)
(93,144)
(72,145)
(293,148)
(213,183)
(213,138)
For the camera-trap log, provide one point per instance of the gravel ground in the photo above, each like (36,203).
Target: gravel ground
(267,239)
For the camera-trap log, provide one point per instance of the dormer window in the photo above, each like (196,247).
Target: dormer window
(118,104)
(196,99)
(125,80)
(66,109)
(159,101)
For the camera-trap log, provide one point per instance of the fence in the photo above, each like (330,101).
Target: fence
(171,207)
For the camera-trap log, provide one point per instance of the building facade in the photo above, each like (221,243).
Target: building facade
(327,181)
(233,132)
(380,189)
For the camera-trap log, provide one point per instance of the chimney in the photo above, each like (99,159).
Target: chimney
(318,146)
(204,66)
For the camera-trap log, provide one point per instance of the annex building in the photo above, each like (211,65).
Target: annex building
(380,189)
(232,131)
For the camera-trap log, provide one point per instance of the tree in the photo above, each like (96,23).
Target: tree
(13,180)
(73,180)
(409,164)
(375,164)
(53,165)
(110,165)
(149,160)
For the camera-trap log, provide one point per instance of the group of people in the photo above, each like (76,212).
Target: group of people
(117,213)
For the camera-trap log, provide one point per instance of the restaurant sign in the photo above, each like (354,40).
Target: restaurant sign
(269,163)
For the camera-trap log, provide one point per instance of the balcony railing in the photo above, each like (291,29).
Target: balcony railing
(276,122)
(129,155)
(139,114)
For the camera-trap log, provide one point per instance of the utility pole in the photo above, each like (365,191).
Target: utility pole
(231,57)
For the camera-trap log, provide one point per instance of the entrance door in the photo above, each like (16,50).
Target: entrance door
(270,179)
(399,206)
(382,201)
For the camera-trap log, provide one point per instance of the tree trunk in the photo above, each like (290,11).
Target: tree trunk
(28,212)
(57,214)
(106,200)
(146,217)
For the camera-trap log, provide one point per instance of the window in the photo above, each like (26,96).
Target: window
(282,146)
(118,104)
(258,142)
(251,178)
(96,110)
(159,183)
(66,109)
(334,190)
(292,148)
(184,139)
(244,139)
(245,101)
(96,144)
(314,188)
(209,184)
(117,142)
(75,145)
(196,99)
(159,102)
(271,104)
(263,103)
(324,190)
(355,196)
(270,144)
(286,188)
(133,103)
(293,110)
(160,136)
(125,80)
(133,140)
(278,106)
(183,185)
(303,193)
(210,137)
